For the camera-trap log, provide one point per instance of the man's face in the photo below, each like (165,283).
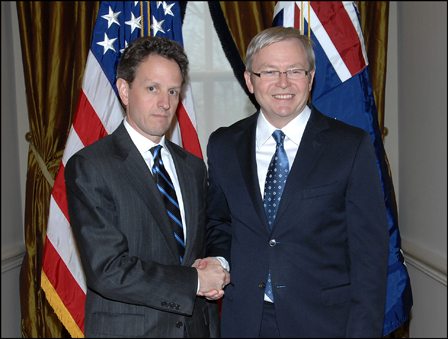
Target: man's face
(281,99)
(152,100)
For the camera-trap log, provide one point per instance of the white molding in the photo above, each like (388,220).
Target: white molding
(425,261)
(12,258)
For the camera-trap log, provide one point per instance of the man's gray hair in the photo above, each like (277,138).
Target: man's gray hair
(276,34)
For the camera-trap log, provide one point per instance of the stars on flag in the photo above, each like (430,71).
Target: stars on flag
(167,8)
(111,17)
(134,22)
(115,16)
(107,43)
(157,25)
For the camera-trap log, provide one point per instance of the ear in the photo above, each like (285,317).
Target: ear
(310,85)
(123,90)
(249,84)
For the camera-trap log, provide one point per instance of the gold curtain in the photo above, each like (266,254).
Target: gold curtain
(375,25)
(247,18)
(55,39)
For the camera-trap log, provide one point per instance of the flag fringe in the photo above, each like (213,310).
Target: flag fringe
(59,308)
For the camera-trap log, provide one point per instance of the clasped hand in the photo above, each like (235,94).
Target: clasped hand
(212,278)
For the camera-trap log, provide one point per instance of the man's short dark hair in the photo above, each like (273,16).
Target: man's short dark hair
(139,50)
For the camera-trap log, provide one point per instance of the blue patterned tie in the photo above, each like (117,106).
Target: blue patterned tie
(273,188)
(166,188)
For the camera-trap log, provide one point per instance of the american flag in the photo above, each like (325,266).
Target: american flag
(342,90)
(99,113)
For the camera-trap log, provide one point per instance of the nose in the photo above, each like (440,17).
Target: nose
(164,101)
(283,80)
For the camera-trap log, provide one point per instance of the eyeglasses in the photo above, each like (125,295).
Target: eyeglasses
(290,73)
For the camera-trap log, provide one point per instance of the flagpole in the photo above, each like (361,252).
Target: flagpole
(149,18)
(142,19)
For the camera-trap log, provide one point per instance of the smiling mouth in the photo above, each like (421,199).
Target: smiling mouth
(288,96)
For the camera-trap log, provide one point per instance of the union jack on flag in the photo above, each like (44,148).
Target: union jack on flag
(99,113)
(342,90)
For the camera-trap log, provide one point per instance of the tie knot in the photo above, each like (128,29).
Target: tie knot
(156,151)
(278,136)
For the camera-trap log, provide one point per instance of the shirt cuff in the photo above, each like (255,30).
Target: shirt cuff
(224,263)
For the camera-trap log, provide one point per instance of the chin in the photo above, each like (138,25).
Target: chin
(285,113)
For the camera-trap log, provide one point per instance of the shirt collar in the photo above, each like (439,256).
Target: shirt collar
(293,130)
(142,143)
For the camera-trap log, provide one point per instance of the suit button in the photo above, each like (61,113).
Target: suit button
(261,285)
(272,243)
(179,324)
(163,303)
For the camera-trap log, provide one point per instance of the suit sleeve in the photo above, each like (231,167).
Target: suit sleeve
(368,242)
(112,270)
(219,234)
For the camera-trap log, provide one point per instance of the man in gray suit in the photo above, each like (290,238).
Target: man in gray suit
(138,285)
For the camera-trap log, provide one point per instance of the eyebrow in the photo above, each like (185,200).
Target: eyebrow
(154,83)
(297,65)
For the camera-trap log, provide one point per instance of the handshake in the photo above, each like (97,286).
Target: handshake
(212,278)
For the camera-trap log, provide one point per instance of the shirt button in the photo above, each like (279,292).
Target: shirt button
(261,285)
(179,324)
(272,243)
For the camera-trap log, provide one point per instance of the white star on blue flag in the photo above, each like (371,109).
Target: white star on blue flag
(120,22)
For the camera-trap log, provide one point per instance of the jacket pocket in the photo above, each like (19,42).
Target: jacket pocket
(319,191)
(336,295)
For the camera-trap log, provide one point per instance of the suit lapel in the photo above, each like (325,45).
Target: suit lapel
(135,170)
(244,141)
(188,189)
(310,149)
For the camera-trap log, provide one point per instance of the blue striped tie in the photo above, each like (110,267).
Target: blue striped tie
(166,188)
(275,182)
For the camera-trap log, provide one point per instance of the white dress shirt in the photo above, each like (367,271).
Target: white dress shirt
(266,145)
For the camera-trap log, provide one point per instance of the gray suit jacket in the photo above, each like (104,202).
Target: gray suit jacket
(136,286)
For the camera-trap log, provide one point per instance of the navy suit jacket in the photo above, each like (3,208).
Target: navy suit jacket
(328,248)
(136,286)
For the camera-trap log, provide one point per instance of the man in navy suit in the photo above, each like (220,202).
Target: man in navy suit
(137,286)
(325,253)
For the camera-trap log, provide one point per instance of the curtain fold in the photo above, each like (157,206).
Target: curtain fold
(55,38)
(246,19)
(374,17)
(232,49)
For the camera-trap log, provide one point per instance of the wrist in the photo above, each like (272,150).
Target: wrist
(224,263)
